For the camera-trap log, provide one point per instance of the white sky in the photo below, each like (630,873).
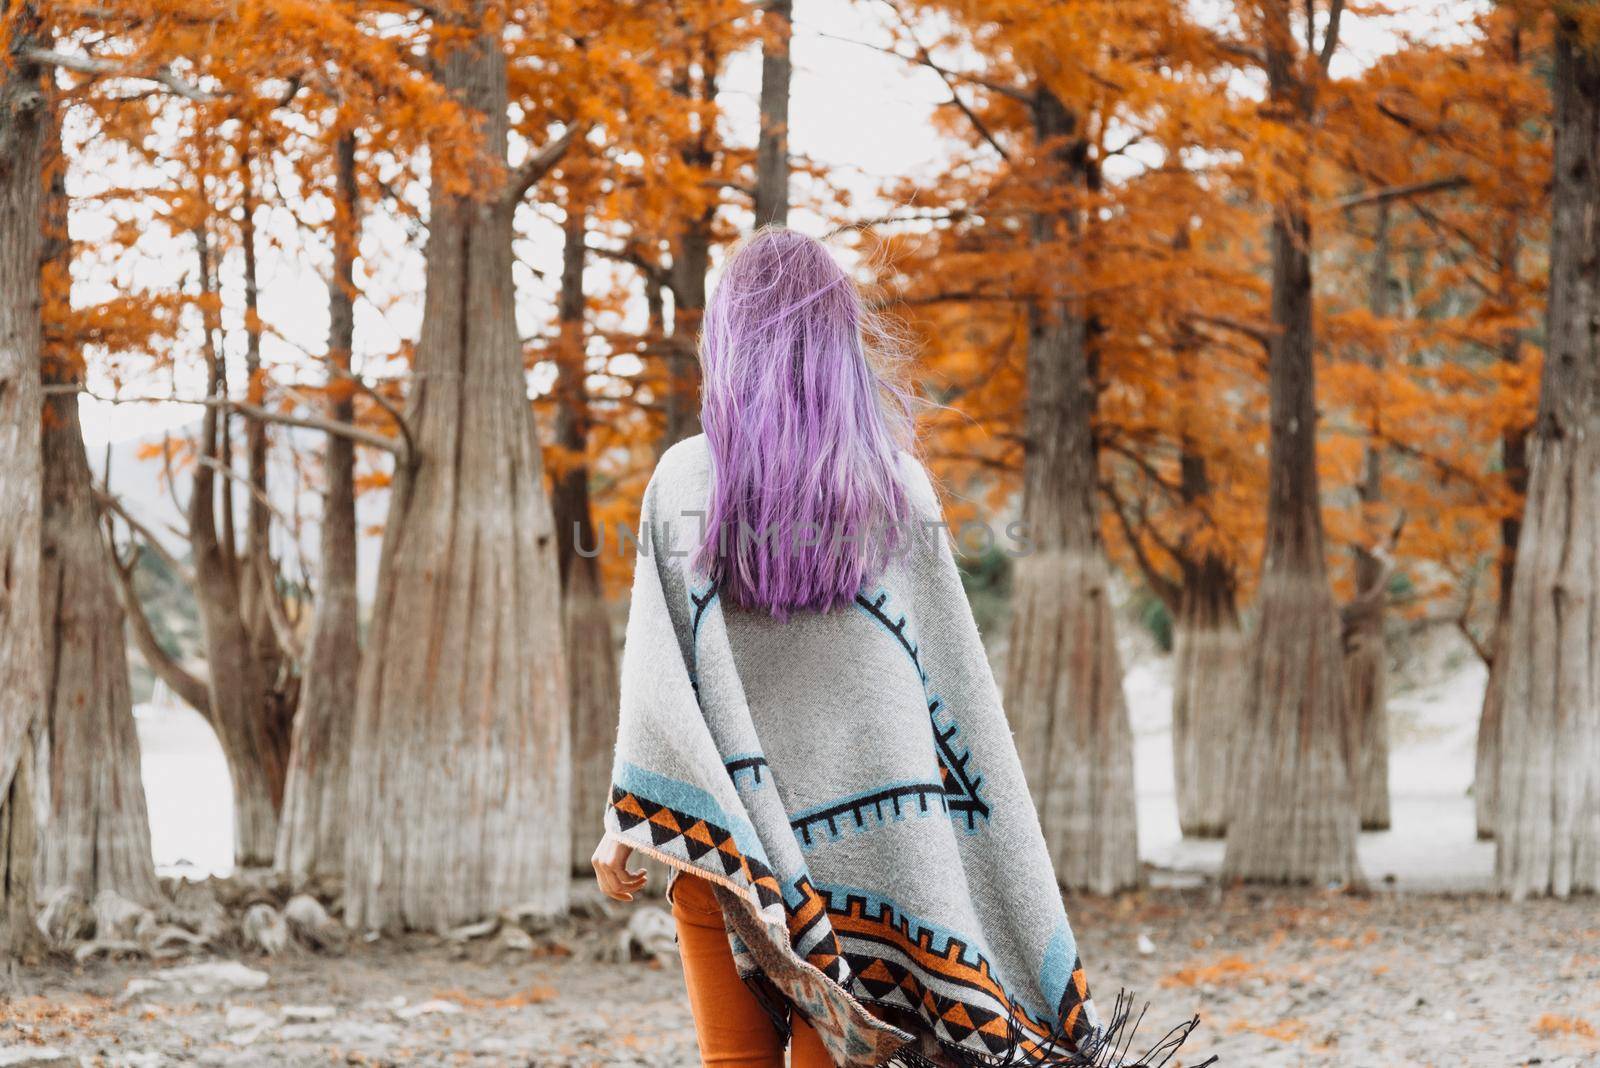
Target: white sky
(862,114)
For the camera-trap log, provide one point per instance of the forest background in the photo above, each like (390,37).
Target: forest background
(330,333)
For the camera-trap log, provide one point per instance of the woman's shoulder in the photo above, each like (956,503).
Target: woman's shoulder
(681,477)
(690,456)
(917,482)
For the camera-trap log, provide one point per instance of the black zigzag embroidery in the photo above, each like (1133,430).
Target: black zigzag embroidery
(960,784)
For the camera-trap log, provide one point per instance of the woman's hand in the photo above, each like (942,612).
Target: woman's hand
(610,862)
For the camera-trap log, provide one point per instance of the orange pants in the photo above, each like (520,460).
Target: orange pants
(733,1030)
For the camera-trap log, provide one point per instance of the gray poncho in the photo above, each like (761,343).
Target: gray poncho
(849,783)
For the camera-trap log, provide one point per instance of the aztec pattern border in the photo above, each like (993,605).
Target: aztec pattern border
(868,945)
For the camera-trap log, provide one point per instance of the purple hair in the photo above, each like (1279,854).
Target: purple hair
(805,500)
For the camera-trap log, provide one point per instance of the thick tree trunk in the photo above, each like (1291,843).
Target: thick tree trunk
(1208,689)
(1548,831)
(591,655)
(1292,815)
(96,834)
(1366,655)
(23,126)
(316,791)
(772,147)
(91,806)
(461,760)
(1063,675)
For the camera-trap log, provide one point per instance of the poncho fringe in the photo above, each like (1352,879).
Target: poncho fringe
(868,832)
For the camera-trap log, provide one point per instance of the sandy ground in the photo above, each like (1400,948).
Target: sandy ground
(1280,978)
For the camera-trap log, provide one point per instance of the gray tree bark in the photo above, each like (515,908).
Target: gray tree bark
(311,831)
(1209,659)
(592,678)
(1548,827)
(1292,816)
(23,127)
(772,146)
(461,758)
(1209,650)
(1063,687)
(95,833)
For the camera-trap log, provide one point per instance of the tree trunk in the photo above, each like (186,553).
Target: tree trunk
(1548,831)
(1367,694)
(236,678)
(461,760)
(23,124)
(1209,654)
(1486,777)
(1209,674)
(586,621)
(311,832)
(1366,655)
(1514,461)
(96,831)
(691,259)
(772,148)
(1064,676)
(1292,814)
(257,577)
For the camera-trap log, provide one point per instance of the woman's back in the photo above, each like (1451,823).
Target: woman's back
(825,685)
(809,723)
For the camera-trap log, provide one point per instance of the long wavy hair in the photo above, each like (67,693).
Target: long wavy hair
(803,428)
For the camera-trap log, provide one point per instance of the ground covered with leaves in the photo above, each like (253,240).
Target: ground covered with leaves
(1280,978)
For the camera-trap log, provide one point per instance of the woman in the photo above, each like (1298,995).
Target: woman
(811,737)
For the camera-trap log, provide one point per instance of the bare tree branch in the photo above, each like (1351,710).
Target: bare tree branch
(288,640)
(382,402)
(1258,334)
(357,434)
(536,166)
(164,76)
(1398,192)
(189,687)
(1170,592)
(926,60)
(1330,36)
(109,502)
